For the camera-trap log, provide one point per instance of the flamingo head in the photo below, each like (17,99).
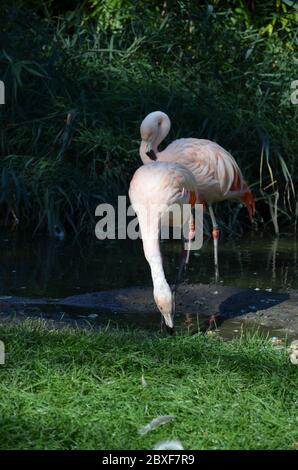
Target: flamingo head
(154,128)
(164,300)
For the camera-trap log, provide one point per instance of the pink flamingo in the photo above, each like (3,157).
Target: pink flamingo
(216,172)
(154,188)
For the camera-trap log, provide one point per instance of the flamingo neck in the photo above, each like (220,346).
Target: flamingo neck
(150,231)
(154,258)
(143,150)
(157,273)
(161,289)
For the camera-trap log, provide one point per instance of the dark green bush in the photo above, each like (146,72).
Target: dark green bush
(80,80)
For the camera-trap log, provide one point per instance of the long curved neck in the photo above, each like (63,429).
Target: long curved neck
(157,272)
(161,289)
(151,246)
(153,255)
(143,154)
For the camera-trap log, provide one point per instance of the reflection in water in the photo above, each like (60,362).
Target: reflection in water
(272,258)
(51,268)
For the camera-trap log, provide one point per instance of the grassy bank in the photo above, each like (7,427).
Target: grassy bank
(79,82)
(68,389)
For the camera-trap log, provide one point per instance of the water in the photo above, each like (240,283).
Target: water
(41,267)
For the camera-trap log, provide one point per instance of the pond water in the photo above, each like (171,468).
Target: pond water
(41,267)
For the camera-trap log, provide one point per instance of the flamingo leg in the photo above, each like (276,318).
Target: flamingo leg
(215,236)
(185,254)
(191,235)
(181,269)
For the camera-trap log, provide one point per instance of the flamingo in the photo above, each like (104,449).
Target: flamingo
(154,188)
(216,172)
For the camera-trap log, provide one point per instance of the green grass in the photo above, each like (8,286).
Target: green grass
(73,389)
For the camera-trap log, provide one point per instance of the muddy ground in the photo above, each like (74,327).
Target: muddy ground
(198,307)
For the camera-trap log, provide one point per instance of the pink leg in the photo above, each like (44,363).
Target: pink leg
(215,236)
(191,235)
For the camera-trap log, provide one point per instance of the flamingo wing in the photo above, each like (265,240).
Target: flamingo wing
(216,172)
(166,183)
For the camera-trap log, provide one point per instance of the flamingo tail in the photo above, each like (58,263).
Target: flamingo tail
(249,201)
(244,194)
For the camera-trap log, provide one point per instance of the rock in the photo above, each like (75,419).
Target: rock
(135,306)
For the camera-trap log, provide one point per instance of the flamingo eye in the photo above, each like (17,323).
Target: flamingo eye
(159,123)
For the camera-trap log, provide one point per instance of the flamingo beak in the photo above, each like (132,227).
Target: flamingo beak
(168,321)
(170,330)
(150,152)
(169,318)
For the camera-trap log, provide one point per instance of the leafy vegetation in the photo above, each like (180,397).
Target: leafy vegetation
(79,82)
(71,389)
